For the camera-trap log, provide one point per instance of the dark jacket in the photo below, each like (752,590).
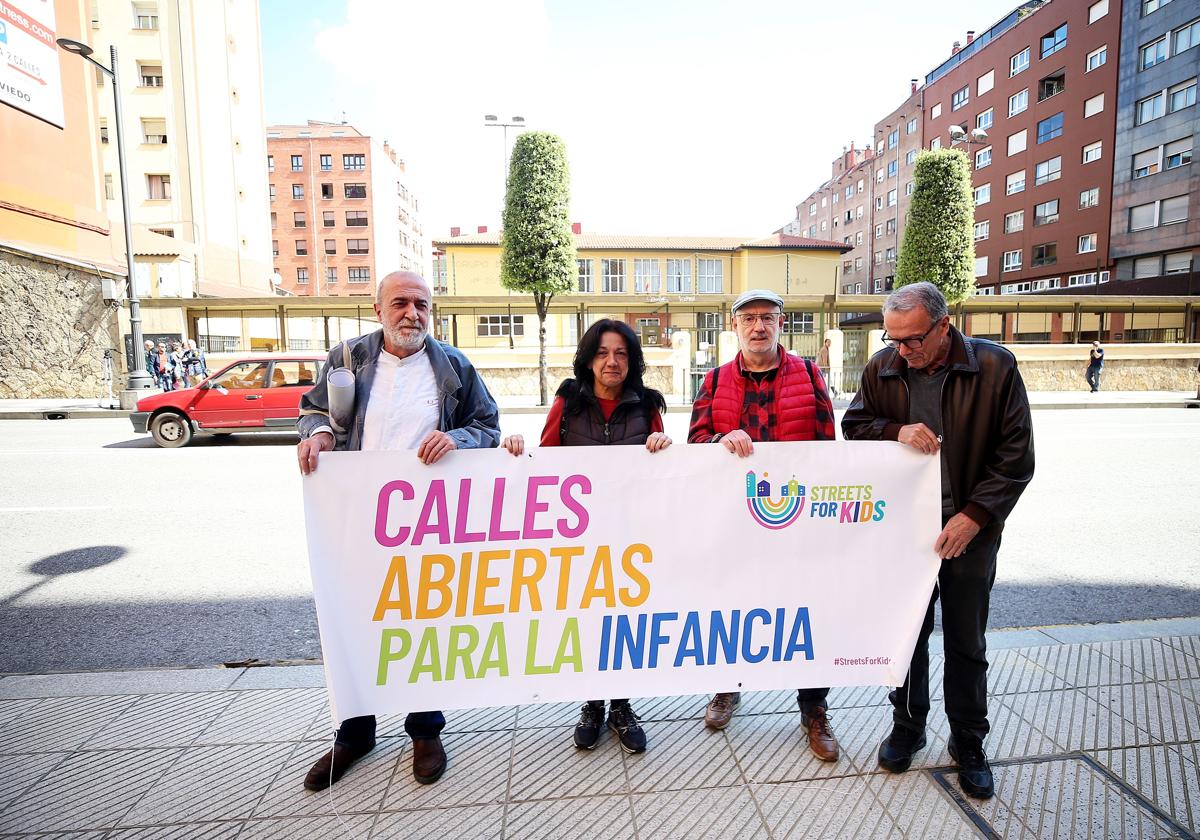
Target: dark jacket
(629,423)
(466,412)
(987,427)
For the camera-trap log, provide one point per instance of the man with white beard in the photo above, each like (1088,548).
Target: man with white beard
(411,392)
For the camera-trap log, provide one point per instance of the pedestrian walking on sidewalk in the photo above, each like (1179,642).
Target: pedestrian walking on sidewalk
(605,404)
(163,368)
(1095,366)
(823,364)
(180,370)
(962,399)
(422,395)
(765,394)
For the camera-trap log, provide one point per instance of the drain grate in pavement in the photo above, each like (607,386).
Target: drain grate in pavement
(1061,797)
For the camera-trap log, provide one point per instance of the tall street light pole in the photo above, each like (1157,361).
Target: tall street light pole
(139,377)
(494,121)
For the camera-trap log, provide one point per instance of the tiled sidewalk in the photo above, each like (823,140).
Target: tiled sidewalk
(1096,733)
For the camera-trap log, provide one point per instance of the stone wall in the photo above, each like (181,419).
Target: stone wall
(54,329)
(1119,375)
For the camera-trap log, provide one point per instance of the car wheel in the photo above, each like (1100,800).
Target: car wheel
(171,430)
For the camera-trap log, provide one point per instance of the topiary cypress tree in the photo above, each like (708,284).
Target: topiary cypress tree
(537,249)
(939,235)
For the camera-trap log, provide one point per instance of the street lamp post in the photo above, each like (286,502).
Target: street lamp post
(975,137)
(139,377)
(494,121)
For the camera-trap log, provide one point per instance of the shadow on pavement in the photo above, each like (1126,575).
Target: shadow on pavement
(202,441)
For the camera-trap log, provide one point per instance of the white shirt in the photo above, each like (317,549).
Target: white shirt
(403,407)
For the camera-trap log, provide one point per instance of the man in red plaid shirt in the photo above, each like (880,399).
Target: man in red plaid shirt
(764,395)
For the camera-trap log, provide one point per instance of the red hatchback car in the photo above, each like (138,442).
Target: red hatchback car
(255,394)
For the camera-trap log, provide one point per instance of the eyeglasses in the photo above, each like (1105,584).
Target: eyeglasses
(747,319)
(912,342)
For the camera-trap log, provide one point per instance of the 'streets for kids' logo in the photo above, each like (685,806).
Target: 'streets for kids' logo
(774,513)
(841,503)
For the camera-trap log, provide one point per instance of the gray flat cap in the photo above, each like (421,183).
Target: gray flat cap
(751,295)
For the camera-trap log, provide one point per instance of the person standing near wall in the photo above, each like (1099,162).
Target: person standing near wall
(1095,366)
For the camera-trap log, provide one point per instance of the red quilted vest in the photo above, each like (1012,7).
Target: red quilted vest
(794,400)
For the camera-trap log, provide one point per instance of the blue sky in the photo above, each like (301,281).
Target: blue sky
(701,118)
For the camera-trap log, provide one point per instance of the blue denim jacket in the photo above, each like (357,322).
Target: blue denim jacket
(467,411)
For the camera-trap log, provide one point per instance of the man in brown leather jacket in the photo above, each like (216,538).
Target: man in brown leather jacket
(960,398)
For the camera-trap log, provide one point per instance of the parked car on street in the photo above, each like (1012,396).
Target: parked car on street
(250,395)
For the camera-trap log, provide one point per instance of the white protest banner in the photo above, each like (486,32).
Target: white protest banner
(29,60)
(592,572)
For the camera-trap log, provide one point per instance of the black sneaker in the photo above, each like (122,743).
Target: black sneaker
(897,750)
(587,731)
(974,773)
(624,722)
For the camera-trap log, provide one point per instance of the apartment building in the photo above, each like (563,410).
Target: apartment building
(898,141)
(841,210)
(1041,84)
(341,211)
(1155,231)
(191,86)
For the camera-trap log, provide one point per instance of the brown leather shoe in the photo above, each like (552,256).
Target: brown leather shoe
(720,709)
(429,760)
(332,766)
(821,739)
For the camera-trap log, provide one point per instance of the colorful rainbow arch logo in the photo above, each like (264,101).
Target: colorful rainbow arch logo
(775,513)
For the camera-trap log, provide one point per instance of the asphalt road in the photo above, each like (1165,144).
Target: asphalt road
(117,554)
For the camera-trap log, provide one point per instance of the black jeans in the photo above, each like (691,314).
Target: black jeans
(1093,377)
(359,732)
(964,586)
(811,699)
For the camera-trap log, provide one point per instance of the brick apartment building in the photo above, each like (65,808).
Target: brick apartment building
(898,139)
(342,214)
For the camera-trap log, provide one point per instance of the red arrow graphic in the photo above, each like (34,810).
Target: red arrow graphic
(37,79)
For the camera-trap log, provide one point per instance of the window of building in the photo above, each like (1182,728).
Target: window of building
(158,187)
(299,220)
(981,266)
(1096,58)
(1185,37)
(960,97)
(297,191)
(154,132)
(910,158)
(274,221)
(1088,278)
(935,143)
(982,229)
(983,194)
(1150,108)
(586,283)
(1012,261)
(936,111)
(1149,6)
(1182,95)
(1092,151)
(679,275)
(270,163)
(1054,41)
(301,275)
(1147,267)
(301,247)
(1153,53)
(878,202)
(912,125)
(358,274)
(331,274)
(858,238)
(275,247)
(891,198)
(1014,222)
(1052,85)
(354,162)
(500,325)
(878,230)
(271,191)
(1093,106)
(985,83)
(151,75)
(613,274)
(327,218)
(1015,183)
(1018,63)
(879,258)
(812,209)
(355,190)
(908,188)
(1048,170)
(326,191)
(645,276)
(297,163)
(330,246)
(1179,262)
(984,119)
(1087,243)
(1143,216)
(1045,213)
(1177,153)
(1050,128)
(1018,102)
(892,168)
(893,142)
(1173,210)
(358,246)
(145,16)
(1089,198)
(326,163)
(983,158)
(798,323)
(356,218)
(891,226)
(1097,10)
(1016,142)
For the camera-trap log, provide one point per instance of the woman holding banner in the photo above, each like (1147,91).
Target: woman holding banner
(605,404)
